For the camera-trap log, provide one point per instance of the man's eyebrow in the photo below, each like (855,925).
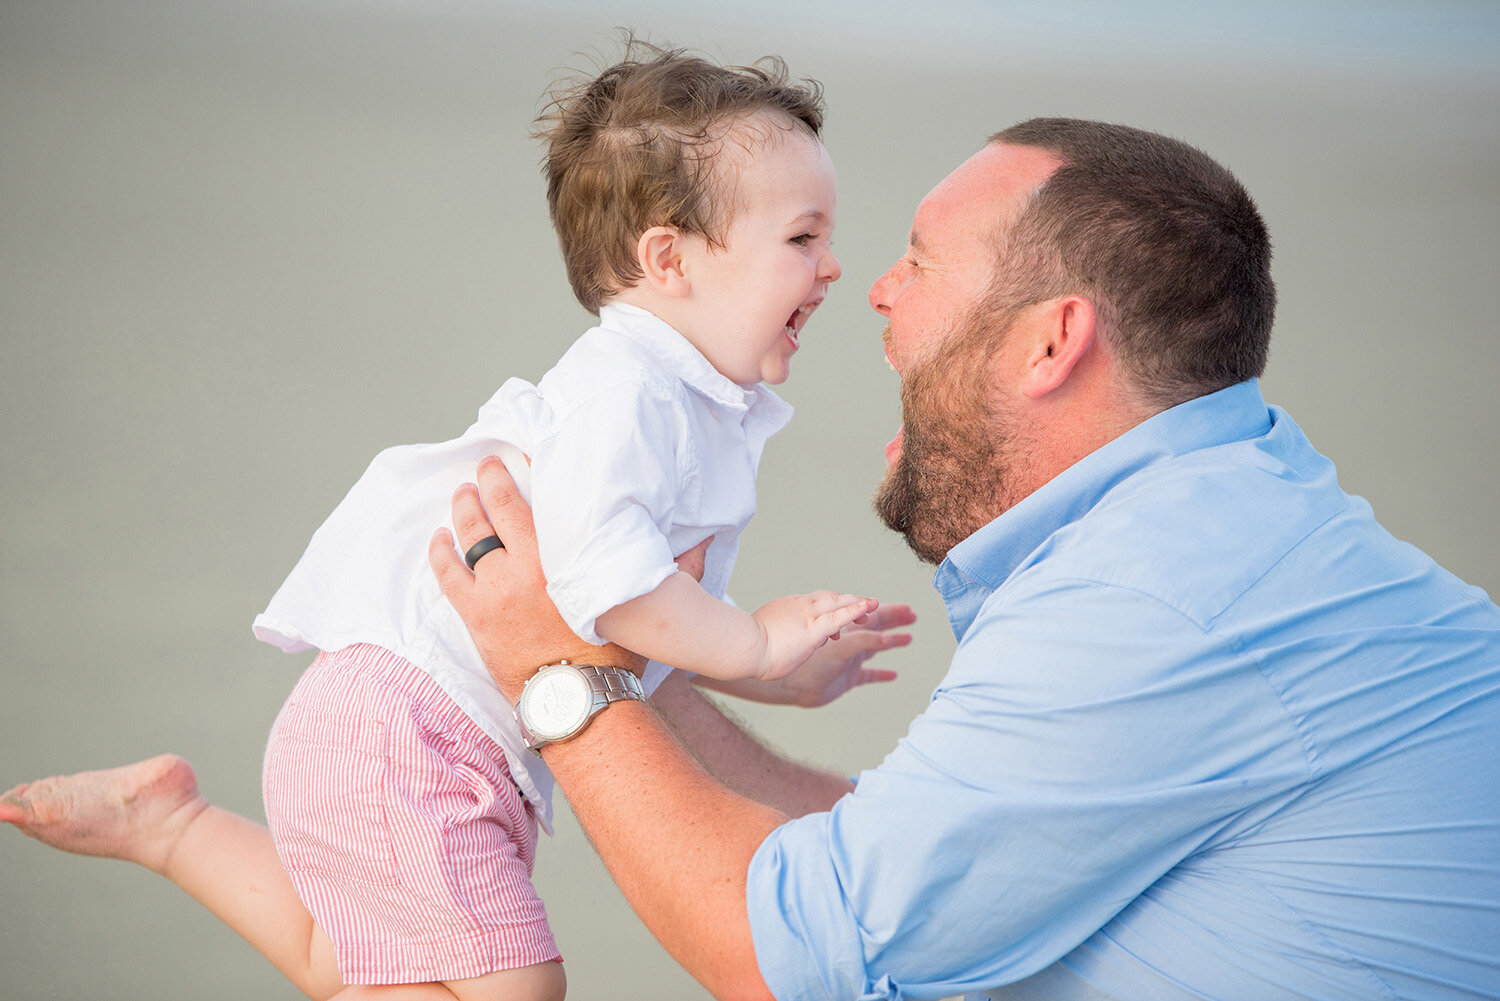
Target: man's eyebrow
(914,243)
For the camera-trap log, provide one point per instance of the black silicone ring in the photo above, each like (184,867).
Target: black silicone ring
(485,545)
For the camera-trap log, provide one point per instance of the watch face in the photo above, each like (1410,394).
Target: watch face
(555,703)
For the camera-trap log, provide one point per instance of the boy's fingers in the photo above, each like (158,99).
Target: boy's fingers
(833,599)
(889,617)
(845,614)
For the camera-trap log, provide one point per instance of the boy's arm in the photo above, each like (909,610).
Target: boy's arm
(681,624)
(725,748)
(833,669)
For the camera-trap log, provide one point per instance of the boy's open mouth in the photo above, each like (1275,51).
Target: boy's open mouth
(798,320)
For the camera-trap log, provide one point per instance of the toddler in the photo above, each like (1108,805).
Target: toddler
(695,206)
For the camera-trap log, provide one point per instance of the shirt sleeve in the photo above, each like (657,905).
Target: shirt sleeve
(605,486)
(1085,740)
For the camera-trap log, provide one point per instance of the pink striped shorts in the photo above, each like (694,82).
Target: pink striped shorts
(398,822)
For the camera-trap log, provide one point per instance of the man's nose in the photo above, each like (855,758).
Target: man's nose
(880,293)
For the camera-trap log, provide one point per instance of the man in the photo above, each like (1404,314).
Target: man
(1209,731)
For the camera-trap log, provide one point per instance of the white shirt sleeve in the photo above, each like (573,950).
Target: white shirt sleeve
(605,487)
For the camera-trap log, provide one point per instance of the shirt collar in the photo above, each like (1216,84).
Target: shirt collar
(978,565)
(688,364)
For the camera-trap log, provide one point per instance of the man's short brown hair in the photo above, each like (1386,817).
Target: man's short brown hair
(637,146)
(1164,240)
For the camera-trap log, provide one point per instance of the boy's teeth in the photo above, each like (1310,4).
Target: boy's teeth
(791,324)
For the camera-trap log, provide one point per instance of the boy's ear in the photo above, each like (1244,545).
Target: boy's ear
(659,252)
(1061,333)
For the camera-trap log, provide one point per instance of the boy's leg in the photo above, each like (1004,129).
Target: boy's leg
(541,982)
(399,825)
(151,813)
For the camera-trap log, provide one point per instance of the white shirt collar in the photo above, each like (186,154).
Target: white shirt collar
(686,362)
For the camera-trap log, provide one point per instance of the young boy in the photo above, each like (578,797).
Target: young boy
(695,208)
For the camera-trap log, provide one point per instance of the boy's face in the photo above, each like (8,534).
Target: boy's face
(751,298)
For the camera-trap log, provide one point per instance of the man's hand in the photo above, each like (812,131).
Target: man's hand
(504,599)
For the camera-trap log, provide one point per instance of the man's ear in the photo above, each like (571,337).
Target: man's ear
(660,253)
(1062,331)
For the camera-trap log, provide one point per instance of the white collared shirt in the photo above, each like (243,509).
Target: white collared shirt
(639,448)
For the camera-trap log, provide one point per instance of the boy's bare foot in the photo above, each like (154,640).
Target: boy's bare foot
(136,813)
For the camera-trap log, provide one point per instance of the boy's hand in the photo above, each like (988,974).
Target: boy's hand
(797,625)
(833,669)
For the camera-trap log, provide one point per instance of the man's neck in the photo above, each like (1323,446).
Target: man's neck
(1058,434)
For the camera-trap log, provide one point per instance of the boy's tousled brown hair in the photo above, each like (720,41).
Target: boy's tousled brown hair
(637,145)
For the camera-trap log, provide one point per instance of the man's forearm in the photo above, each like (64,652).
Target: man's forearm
(739,760)
(676,841)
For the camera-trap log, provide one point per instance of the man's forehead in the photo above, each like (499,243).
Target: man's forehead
(982,192)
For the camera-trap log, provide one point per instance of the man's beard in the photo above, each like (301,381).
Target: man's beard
(953,475)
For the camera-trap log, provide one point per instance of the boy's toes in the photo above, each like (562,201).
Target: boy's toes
(13,805)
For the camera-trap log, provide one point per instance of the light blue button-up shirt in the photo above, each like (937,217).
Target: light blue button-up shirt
(1210,732)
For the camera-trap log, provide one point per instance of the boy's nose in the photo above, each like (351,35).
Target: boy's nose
(831,268)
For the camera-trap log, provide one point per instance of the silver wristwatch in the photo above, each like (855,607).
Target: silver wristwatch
(560,699)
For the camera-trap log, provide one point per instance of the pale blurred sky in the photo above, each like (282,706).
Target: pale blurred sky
(1439,36)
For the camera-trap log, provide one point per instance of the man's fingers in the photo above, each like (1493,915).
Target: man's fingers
(874,675)
(890,616)
(693,561)
(869,640)
(446,565)
(470,521)
(488,510)
(504,508)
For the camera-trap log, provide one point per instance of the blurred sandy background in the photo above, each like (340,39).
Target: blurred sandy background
(244,246)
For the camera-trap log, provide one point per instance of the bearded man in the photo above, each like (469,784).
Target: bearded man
(1209,732)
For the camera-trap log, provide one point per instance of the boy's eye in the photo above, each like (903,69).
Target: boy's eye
(803,239)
